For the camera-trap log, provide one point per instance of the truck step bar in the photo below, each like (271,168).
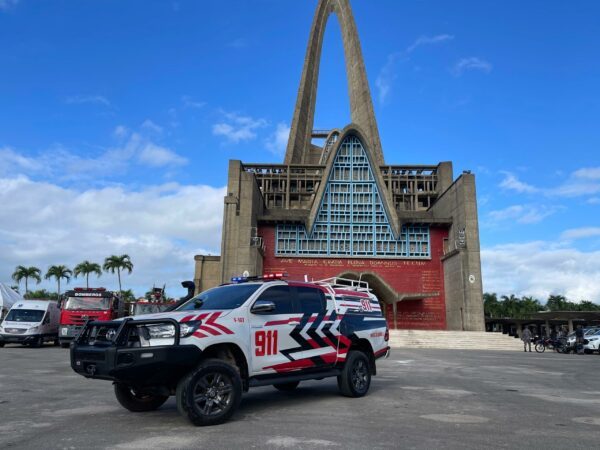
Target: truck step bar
(267,380)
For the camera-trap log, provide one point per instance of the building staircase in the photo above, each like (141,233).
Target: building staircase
(459,340)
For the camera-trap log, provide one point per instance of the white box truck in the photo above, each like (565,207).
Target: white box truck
(31,322)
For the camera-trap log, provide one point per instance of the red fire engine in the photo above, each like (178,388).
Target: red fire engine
(80,305)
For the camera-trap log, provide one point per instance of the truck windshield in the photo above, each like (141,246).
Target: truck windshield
(87,303)
(222,297)
(25,315)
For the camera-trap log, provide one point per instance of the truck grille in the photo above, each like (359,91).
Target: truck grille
(81,319)
(15,330)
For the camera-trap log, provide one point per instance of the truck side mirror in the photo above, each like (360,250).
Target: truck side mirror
(262,307)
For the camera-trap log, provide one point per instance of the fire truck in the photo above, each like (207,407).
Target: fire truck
(82,304)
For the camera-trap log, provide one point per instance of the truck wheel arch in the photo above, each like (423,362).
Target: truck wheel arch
(364,346)
(231,353)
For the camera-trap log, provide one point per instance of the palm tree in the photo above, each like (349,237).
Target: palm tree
(86,268)
(59,272)
(22,272)
(117,263)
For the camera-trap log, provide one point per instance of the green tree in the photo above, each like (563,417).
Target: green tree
(86,268)
(116,263)
(42,294)
(22,272)
(491,306)
(128,296)
(586,305)
(557,303)
(59,273)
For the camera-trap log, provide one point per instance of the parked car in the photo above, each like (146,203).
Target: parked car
(593,344)
(31,322)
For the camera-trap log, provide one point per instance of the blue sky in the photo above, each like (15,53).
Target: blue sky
(118,118)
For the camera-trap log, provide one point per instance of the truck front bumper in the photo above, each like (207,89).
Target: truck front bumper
(18,338)
(114,359)
(146,366)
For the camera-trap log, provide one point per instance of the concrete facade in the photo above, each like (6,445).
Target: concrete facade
(434,283)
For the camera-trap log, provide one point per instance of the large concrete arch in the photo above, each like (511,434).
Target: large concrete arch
(361,103)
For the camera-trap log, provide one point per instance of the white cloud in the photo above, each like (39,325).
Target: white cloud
(150,126)
(582,182)
(387,74)
(512,183)
(590,173)
(5,5)
(594,201)
(13,162)
(581,233)
(93,99)
(188,102)
(237,128)
(386,77)
(277,142)
(471,63)
(523,214)
(541,268)
(156,156)
(161,227)
(64,165)
(429,40)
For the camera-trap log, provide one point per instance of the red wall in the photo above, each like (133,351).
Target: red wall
(403,275)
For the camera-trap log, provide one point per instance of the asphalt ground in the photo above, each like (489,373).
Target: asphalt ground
(420,399)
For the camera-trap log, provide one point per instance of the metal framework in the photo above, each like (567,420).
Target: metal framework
(351,220)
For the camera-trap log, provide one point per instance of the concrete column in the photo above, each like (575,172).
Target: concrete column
(519,329)
(570,325)
(547,324)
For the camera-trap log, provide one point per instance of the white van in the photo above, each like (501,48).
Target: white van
(31,322)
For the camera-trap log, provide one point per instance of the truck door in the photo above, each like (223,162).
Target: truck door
(270,330)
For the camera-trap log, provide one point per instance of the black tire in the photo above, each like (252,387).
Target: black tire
(355,379)
(180,393)
(134,402)
(540,348)
(286,387)
(210,394)
(64,345)
(56,342)
(1,344)
(37,343)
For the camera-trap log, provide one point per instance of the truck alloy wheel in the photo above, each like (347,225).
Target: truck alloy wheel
(136,401)
(211,393)
(355,379)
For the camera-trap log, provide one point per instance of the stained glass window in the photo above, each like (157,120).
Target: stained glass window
(351,220)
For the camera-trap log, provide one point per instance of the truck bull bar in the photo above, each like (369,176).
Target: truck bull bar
(105,350)
(120,329)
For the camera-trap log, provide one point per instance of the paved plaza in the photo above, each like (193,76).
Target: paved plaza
(420,399)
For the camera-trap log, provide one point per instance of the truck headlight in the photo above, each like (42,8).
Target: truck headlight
(161,331)
(186,329)
(32,329)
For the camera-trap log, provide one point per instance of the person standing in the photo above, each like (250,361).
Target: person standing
(579,339)
(526,338)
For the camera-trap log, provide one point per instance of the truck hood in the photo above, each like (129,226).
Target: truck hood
(180,315)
